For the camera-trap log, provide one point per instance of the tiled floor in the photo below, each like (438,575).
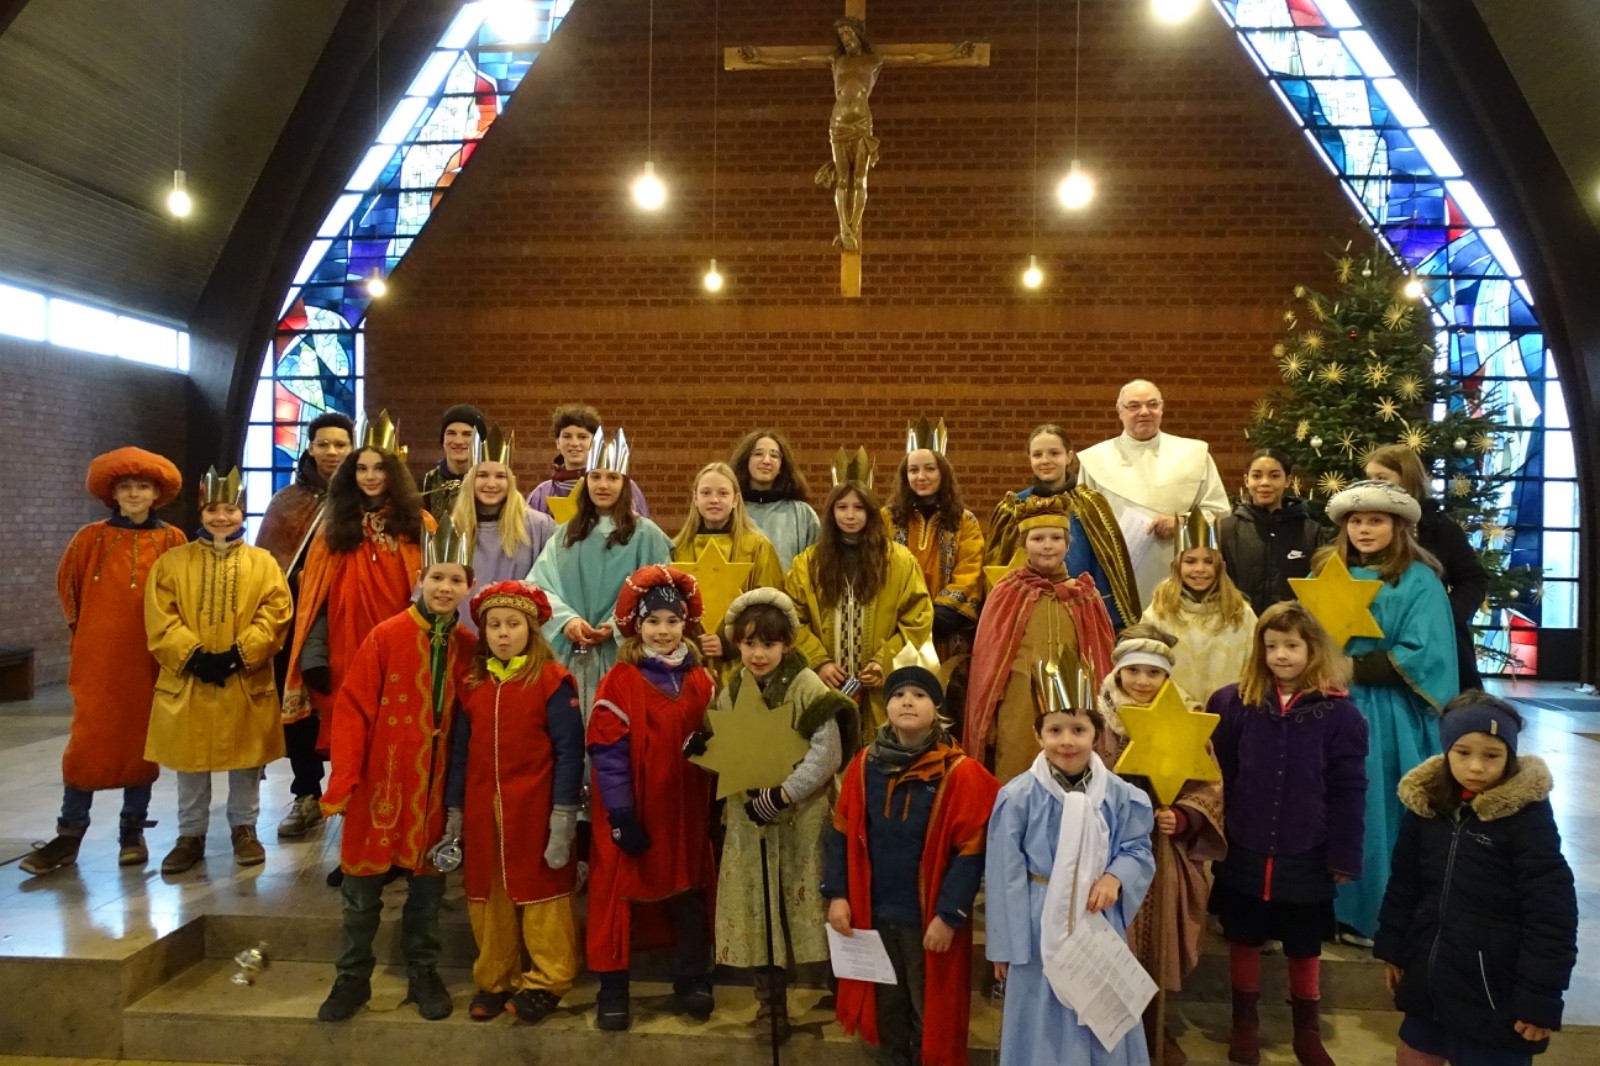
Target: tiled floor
(97,910)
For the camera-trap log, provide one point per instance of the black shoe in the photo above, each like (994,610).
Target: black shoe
(487,1006)
(534,1005)
(694,997)
(335,877)
(425,988)
(613,1011)
(349,994)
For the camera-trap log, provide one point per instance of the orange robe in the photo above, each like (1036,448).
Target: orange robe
(359,589)
(112,677)
(389,752)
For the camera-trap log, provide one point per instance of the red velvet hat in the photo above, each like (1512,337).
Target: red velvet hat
(651,587)
(108,469)
(518,595)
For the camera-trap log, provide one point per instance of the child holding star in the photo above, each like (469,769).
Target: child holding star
(1068,839)
(904,857)
(1293,754)
(792,817)
(1402,679)
(717,516)
(651,807)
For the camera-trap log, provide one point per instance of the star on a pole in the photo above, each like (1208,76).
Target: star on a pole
(563,508)
(752,745)
(993,574)
(720,581)
(1341,602)
(1167,744)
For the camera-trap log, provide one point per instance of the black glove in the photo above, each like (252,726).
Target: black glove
(1375,668)
(629,835)
(764,804)
(947,621)
(318,679)
(206,667)
(230,662)
(695,743)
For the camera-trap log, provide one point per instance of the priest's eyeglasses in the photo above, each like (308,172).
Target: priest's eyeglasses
(1135,405)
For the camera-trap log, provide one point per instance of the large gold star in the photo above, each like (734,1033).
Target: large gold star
(1342,603)
(720,581)
(1167,744)
(563,508)
(993,574)
(752,745)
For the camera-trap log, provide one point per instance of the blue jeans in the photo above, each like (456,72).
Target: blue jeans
(75,803)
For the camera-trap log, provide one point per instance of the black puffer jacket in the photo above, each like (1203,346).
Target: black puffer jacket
(1480,913)
(1464,578)
(1264,549)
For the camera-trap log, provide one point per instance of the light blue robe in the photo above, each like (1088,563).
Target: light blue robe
(583,581)
(1402,720)
(791,526)
(490,563)
(1036,1027)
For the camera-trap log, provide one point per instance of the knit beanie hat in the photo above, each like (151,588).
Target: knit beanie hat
(466,414)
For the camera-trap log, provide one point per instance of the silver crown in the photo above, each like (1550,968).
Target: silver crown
(610,453)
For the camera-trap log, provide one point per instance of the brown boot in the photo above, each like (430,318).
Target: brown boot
(1171,1053)
(1244,1045)
(1308,1047)
(184,854)
(62,851)
(772,1003)
(247,849)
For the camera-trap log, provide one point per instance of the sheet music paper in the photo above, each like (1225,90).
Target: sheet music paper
(860,957)
(1097,976)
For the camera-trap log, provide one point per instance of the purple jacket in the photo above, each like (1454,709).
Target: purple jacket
(1293,781)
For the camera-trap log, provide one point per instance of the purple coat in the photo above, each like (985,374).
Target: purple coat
(1293,782)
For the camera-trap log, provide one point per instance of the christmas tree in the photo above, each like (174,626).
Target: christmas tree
(1360,370)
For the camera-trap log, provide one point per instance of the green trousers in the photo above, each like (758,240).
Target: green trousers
(363,910)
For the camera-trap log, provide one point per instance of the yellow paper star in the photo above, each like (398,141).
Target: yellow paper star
(1414,437)
(563,508)
(720,581)
(1292,366)
(752,745)
(1331,483)
(1342,603)
(1396,317)
(1409,388)
(1377,374)
(1311,340)
(993,574)
(1388,410)
(1167,744)
(1333,373)
(1262,411)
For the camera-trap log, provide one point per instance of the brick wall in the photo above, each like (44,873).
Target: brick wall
(58,410)
(538,283)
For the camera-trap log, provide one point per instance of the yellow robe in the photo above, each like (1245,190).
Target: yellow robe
(901,613)
(951,562)
(198,598)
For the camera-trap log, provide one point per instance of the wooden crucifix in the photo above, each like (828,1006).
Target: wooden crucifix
(856,65)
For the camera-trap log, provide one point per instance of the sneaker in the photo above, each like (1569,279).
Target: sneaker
(247,849)
(694,997)
(184,854)
(425,988)
(1355,939)
(348,995)
(305,814)
(534,1005)
(62,851)
(486,1006)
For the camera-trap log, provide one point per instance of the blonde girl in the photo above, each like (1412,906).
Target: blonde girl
(507,535)
(1201,606)
(717,514)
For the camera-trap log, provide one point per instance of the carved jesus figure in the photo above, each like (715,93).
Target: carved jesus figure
(855,69)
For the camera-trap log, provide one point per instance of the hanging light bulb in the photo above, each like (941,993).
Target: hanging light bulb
(1173,11)
(648,192)
(377,288)
(179,202)
(1413,287)
(713,278)
(1033,277)
(1076,189)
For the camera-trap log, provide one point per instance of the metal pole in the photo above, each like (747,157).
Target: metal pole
(766,913)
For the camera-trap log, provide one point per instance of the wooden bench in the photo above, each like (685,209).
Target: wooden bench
(16,673)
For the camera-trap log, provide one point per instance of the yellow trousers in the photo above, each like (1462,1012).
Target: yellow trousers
(546,931)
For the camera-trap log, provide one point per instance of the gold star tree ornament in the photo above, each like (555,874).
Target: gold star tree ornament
(752,745)
(1340,601)
(1167,744)
(721,581)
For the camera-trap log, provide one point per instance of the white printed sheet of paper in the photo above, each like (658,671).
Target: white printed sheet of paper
(860,957)
(1097,976)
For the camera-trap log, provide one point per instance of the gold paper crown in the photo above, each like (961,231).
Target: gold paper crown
(857,467)
(1040,511)
(217,488)
(445,545)
(926,435)
(382,433)
(610,453)
(912,655)
(1069,692)
(495,448)
(1195,530)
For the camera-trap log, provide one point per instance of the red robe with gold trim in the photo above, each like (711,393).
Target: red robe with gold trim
(112,677)
(959,822)
(511,769)
(389,755)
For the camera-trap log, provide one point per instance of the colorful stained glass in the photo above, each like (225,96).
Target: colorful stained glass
(314,363)
(1337,84)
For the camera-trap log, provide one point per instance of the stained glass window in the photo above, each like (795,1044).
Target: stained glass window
(315,362)
(1370,130)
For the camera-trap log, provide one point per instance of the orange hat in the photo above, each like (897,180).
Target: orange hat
(653,587)
(108,469)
